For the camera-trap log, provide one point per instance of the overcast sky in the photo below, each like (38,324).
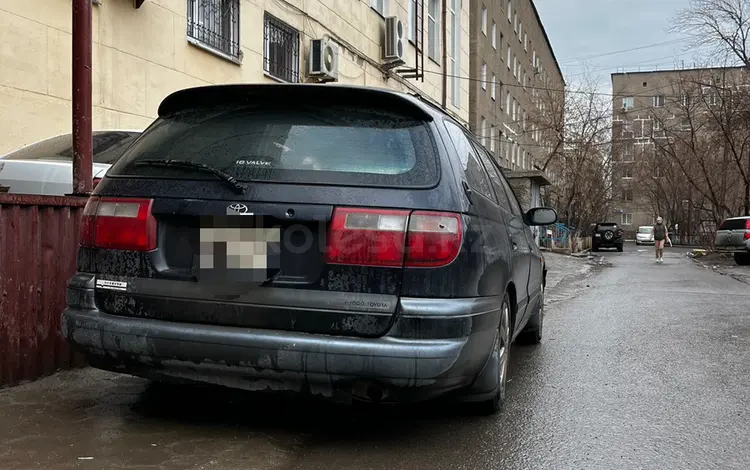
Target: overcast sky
(590,32)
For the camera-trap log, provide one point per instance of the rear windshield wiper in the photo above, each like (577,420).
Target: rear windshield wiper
(238,188)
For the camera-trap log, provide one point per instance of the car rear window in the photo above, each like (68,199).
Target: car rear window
(734,224)
(333,145)
(645,229)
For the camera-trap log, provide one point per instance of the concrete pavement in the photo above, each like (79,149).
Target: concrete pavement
(642,366)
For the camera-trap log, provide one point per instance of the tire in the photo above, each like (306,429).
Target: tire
(532,333)
(742,259)
(501,350)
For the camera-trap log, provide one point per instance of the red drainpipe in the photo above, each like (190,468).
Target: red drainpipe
(82,127)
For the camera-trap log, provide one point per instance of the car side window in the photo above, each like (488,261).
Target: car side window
(495,178)
(515,207)
(475,173)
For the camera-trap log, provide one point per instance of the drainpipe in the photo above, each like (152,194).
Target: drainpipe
(82,130)
(445,52)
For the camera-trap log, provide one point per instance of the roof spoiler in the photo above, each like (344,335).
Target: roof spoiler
(274,94)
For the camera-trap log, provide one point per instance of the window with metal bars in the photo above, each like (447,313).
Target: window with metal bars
(216,24)
(281,49)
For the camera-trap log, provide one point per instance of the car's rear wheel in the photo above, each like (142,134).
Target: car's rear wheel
(742,259)
(532,333)
(501,353)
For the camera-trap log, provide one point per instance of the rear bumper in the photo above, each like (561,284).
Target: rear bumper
(403,369)
(734,248)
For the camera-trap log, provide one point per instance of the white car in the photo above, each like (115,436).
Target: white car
(645,235)
(46,167)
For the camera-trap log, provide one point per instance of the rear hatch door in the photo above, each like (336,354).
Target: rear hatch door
(294,218)
(732,233)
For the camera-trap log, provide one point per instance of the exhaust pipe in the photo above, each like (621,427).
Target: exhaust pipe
(369,391)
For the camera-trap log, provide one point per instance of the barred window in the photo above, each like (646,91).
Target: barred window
(216,24)
(281,49)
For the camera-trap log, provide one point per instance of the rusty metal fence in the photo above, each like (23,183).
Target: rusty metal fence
(38,249)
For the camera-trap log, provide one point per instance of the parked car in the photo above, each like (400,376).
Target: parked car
(395,263)
(46,167)
(733,236)
(606,235)
(645,235)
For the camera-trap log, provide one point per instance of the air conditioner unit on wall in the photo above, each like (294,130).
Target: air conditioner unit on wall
(323,62)
(395,42)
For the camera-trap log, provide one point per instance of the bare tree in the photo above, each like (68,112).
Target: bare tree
(702,140)
(576,125)
(722,26)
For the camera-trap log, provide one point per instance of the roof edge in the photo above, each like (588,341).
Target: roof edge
(695,69)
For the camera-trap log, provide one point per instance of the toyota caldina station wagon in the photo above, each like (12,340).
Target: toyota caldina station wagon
(348,242)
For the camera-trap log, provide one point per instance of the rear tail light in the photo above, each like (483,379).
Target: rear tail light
(747,229)
(96,182)
(433,239)
(393,238)
(118,224)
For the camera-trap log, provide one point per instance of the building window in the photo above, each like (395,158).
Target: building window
(686,99)
(628,102)
(414,26)
(508,99)
(492,139)
(520,31)
(711,96)
(455,11)
(515,23)
(628,151)
(494,35)
(508,60)
(525,42)
(627,171)
(381,6)
(281,49)
(627,195)
(484,76)
(659,101)
(482,126)
(515,66)
(492,87)
(510,11)
(484,20)
(216,24)
(627,219)
(433,30)
(657,125)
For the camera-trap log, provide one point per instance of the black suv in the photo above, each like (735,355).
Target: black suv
(606,235)
(348,242)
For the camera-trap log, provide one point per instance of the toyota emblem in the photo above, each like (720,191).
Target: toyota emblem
(238,208)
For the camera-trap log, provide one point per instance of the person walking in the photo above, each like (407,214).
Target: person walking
(660,236)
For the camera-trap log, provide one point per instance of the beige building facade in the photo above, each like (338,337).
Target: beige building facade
(140,55)
(513,62)
(644,105)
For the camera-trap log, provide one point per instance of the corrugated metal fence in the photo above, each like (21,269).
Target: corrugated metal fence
(38,249)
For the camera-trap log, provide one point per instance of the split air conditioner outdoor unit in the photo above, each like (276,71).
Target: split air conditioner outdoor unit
(324,60)
(395,42)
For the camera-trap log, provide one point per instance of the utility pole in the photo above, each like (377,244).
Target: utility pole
(82,126)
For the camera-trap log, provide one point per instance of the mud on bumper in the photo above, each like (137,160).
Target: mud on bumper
(342,368)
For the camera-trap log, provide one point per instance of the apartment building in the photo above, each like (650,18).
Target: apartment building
(144,50)
(649,106)
(512,61)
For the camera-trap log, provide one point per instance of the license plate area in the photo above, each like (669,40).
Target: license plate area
(242,250)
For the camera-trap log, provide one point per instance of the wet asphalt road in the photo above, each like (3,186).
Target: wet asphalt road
(642,366)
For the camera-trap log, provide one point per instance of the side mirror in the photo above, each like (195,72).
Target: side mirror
(541,216)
